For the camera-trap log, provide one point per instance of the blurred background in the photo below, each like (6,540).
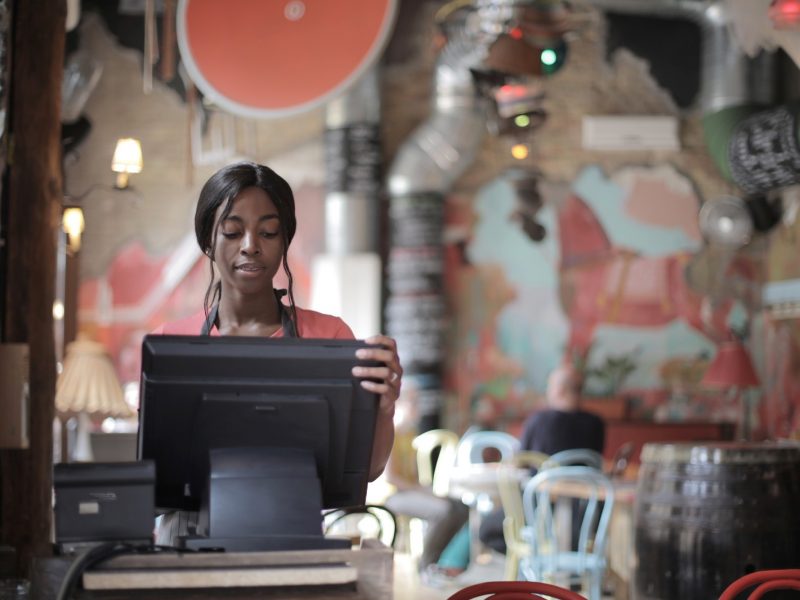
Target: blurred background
(514,182)
(501,185)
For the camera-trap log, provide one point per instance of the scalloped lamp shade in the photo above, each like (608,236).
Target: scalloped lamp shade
(731,367)
(88,384)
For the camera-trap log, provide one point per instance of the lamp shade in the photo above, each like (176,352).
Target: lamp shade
(88,383)
(731,367)
(127,156)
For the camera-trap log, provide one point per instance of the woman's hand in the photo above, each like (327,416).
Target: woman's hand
(386,380)
(390,374)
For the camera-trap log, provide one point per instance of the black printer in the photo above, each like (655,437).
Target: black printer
(102,502)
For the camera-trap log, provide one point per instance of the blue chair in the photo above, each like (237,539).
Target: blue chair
(577,456)
(479,493)
(548,559)
(473,444)
(511,498)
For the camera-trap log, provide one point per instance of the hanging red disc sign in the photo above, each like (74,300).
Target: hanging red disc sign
(271,58)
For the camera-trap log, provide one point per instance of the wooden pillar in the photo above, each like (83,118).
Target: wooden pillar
(33,197)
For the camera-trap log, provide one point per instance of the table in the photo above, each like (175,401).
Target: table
(373,563)
(621,549)
(476,486)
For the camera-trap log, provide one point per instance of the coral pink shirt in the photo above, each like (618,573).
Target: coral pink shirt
(310,324)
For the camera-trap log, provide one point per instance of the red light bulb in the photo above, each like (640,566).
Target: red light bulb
(785,14)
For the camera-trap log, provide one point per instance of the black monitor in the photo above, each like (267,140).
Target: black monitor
(258,434)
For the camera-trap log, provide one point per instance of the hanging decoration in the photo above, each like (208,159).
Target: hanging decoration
(272,59)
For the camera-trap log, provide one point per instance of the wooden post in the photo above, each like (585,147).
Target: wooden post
(34,198)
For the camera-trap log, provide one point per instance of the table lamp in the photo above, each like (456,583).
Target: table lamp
(88,386)
(733,370)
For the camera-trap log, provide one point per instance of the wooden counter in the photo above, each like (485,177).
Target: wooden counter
(129,576)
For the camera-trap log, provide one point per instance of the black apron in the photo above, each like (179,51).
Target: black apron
(287,324)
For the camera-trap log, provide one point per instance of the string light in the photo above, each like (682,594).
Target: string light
(548,57)
(785,14)
(553,56)
(519,151)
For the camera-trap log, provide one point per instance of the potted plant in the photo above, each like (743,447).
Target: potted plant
(603,381)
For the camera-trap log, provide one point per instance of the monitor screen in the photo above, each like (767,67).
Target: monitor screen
(202,394)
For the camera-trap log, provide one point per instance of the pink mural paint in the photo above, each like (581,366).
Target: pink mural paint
(604,284)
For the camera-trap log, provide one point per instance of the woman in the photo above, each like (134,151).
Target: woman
(244,222)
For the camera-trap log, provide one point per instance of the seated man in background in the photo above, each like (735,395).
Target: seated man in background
(561,426)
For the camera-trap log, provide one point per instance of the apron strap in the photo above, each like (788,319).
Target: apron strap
(286,320)
(287,324)
(210,320)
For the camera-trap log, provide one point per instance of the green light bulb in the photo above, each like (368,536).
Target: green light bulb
(548,57)
(522,120)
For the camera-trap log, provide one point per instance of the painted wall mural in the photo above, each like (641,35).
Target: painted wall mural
(607,280)
(781,337)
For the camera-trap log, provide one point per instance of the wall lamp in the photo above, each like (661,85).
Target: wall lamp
(73,224)
(127,159)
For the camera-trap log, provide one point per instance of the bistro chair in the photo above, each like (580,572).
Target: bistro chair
(473,445)
(763,582)
(425,444)
(434,481)
(515,590)
(475,481)
(511,498)
(574,457)
(548,557)
(510,488)
(472,451)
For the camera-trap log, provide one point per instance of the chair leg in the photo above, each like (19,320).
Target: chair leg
(512,565)
(595,593)
(416,537)
(403,537)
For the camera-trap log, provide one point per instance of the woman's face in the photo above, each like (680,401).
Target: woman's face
(249,244)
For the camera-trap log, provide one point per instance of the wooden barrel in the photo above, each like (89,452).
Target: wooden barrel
(706,514)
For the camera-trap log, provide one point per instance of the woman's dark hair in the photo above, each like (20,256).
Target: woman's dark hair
(221,188)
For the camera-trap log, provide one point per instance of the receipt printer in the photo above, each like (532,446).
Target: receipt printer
(100,502)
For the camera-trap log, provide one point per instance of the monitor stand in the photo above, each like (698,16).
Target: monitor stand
(261,499)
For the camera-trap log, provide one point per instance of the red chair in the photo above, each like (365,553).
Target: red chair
(515,590)
(763,582)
